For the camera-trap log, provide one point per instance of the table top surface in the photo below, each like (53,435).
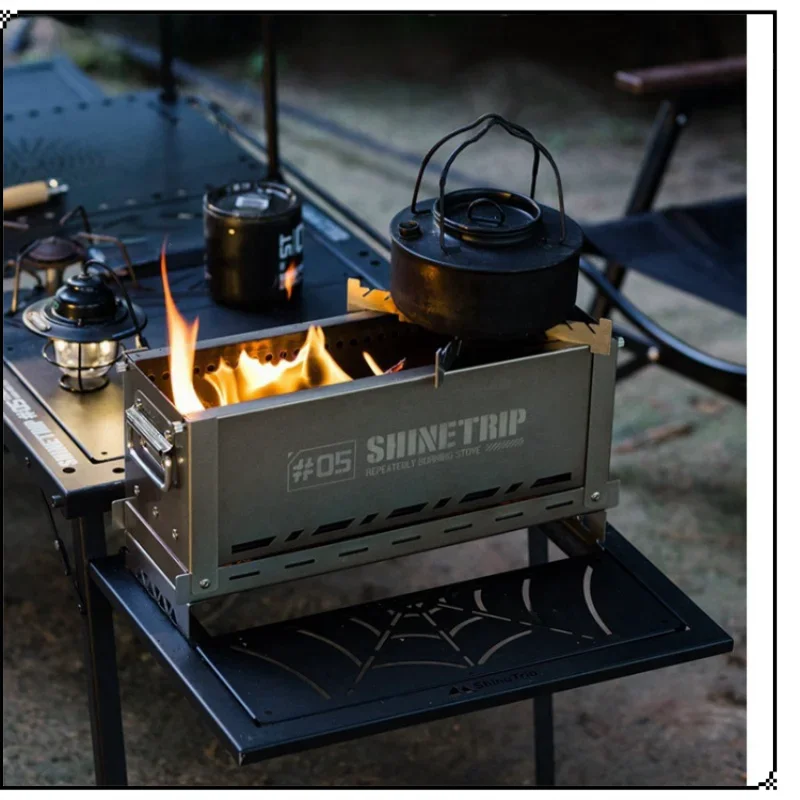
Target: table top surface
(74,443)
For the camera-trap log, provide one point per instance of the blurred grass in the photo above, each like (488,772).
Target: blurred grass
(110,67)
(250,66)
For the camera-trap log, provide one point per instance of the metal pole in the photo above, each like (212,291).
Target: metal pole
(169,92)
(543,745)
(664,135)
(88,534)
(669,123)
(270,88)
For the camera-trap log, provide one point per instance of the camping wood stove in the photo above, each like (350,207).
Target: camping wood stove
(473,436)
(256,493)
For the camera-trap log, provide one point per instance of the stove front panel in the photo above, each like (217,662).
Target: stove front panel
(339,466)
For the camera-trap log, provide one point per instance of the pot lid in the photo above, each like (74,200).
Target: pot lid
(523,243)
(488,217)
(252,200)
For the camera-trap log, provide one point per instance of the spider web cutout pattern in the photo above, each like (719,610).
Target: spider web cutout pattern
(420,642)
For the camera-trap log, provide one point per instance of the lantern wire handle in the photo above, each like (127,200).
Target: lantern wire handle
(101,237)
(140,340)
(77,211)
(18,269)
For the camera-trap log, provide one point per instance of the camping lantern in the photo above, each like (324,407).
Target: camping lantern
(84,323)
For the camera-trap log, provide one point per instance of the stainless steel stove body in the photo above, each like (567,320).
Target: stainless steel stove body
(265,491)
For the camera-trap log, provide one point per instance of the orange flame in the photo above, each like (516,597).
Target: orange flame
(182,343)
(376,370)
(249,379)
(289,280)
(372,364)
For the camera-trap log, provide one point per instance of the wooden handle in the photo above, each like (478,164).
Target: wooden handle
(681,77)
(25,195)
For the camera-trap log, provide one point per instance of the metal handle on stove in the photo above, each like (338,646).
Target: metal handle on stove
(157,449)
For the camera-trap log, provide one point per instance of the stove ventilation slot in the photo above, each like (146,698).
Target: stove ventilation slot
(353,552)
(163,602)
(405,510)
(244,575)
(406,540)
(558,505)
(252,545)
(484,494)
(334,526)
(458,528)
(300,563)
(560,478)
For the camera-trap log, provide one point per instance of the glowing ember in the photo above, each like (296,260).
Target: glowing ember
(289,280)
(376,370)
(249,379)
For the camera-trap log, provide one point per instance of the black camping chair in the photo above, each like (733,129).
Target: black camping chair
(700,249)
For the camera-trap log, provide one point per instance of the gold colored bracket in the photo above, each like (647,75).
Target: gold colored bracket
(360,298)
(597,335)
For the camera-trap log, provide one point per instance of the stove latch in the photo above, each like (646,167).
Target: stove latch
(148,447)
(444,359)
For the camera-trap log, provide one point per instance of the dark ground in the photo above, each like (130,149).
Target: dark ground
(683,500)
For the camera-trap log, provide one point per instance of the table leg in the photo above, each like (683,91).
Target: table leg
(88,536)
(544,750)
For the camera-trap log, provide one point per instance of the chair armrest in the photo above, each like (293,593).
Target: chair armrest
(727,377)
(681,77)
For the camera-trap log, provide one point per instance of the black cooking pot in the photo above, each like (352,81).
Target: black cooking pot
(485,263)
(254,244)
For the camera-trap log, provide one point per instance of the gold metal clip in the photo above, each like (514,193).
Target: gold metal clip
(597,335)
(360,298)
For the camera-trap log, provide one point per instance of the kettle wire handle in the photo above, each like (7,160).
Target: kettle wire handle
(514,130)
